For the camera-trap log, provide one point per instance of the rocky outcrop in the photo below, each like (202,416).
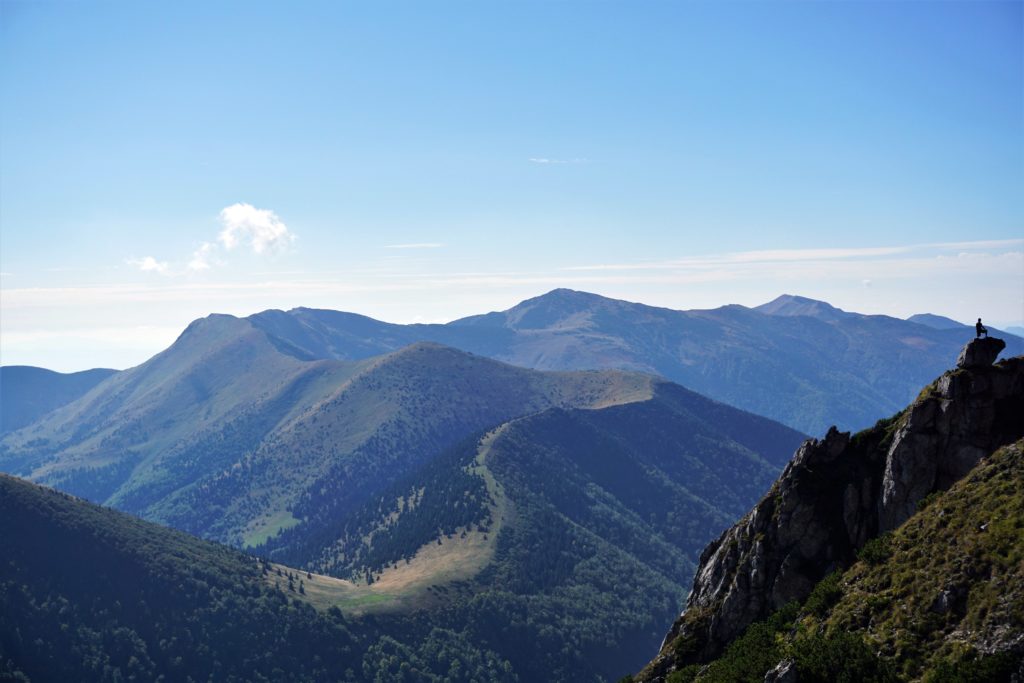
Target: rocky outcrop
(784,672)
(964,416)
(980,353)
(836,494)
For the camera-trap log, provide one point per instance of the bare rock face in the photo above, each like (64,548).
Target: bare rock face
(784,672)
(835,495)
(980,353)
(966,415)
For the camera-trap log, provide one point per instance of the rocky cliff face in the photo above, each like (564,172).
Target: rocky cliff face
(836,494)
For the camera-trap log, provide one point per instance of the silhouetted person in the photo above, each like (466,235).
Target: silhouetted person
(979,330)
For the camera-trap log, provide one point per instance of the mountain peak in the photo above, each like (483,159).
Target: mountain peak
(791,305)
(936,322)
(566,297)
(558,309)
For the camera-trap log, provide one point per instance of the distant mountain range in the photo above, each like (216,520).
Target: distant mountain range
(799,361)
(28,393)
(550,519)
(939,322)
(559,505)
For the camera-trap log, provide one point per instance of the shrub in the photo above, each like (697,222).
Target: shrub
(877,550)
(826,594)
(840,658)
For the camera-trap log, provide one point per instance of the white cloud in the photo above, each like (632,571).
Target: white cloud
(415,245)
(261,229)
(202,257)
(148,264)
(243,225)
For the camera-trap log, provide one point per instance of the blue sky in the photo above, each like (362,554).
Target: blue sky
(429,160)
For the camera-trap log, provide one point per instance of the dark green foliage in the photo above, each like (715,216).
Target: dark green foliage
(835,658)
(96,483)
(928,500)
(611,508)
(877,550)
(608,508)
(91,594)
(825,594)
(748,657)
(840,658)
(976,668)
(685,675)
(437,499)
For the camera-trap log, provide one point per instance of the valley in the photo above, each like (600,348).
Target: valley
(545,522)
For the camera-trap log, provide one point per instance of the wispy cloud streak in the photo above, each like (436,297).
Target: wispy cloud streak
(415,245)
(557,162)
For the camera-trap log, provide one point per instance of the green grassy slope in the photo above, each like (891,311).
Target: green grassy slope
(940,599)
(548,548)
(90,594)
(550,518)
(561,540)
(226,436)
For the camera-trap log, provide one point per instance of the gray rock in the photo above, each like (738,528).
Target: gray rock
(837,493)
(980,353)
(784,672)
(953,598)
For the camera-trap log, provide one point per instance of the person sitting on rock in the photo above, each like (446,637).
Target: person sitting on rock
(979,330)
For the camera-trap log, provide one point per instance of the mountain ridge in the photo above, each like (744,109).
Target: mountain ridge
(33,392)
(360,470)
(855,366)
(799,361)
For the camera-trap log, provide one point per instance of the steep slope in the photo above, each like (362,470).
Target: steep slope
(28,393)
(836,495)
(514,504)
(223,434)
(395,414)
(554,539)
(941,599)
(948,586)
(87,593)
(138,435)
(798,361)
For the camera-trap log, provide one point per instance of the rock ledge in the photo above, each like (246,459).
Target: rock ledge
(980,353)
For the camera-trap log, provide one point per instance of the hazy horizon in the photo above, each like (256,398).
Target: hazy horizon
(145,353)
(422,163)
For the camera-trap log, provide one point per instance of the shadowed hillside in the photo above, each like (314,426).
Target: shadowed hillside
(27,393)
(90,594)
(511,509)
(552,539)
(223,435)
(799,361)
